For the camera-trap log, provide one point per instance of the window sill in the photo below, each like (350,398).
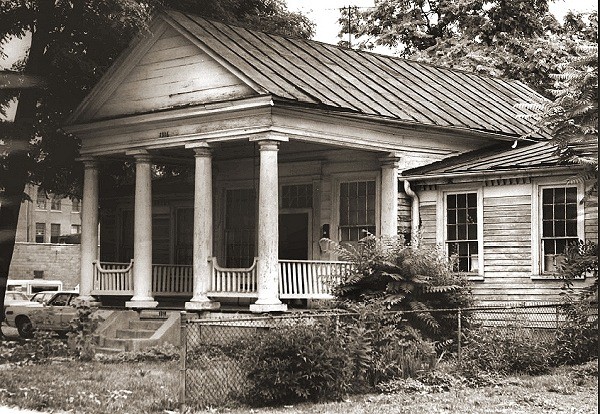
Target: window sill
(475,278)
(553,277)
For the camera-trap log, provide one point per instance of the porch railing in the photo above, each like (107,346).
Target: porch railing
(172,280)
(113,278)
(298,279)
(309,279)
(233,282)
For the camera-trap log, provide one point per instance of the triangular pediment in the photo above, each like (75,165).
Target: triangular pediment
(162,71)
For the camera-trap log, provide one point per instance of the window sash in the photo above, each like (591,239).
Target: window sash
(462,238)
(357,209)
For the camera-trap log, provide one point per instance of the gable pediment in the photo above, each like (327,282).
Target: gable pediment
(162,71)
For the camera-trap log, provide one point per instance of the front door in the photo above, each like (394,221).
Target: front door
(293,236)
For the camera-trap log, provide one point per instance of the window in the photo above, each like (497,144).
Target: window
(240,227)
(297,196)
(76,205)
(461,231)
(75,228)
(41,199)
(55,203)
(559,225)
(40,232)
(357,210)
(54,232)
(184,236)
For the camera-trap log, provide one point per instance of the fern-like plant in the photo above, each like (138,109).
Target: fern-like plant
(395,276)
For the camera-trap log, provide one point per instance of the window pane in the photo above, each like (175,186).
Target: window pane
(571,228)
(461,200)
(559,228)
(451,232)
(451,201)
(559,195)
(559,211)
(548,196)
(548,229)
(472,199)
(572,195)
(472,232)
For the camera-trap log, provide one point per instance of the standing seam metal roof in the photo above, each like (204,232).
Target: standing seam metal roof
(367,83)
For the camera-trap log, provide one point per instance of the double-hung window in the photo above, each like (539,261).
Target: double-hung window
(559,224)
(462,231)
(357,212)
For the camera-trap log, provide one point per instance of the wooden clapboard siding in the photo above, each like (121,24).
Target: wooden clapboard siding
(173,72)
(404,211)
(591,222)
(428,224)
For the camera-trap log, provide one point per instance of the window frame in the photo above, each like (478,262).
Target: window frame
(337,180)
(442,224)
(38,200)
(38,225)
(55,203)
(54,238)
(536,223)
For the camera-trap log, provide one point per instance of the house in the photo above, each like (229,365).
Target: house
(47,238)
(507,214)
(282,142)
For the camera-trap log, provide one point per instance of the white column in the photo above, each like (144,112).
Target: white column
(389,196)
(89,228)
(268,231)
(142,234)
(202,231)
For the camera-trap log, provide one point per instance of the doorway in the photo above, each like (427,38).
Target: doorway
(293,236)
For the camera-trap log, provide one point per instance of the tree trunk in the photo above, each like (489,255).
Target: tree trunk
(18,159)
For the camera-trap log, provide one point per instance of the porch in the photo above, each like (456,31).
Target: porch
(298,279)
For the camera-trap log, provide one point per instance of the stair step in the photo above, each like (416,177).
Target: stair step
(116,343)
(148,324)
(134,333)
(108,351)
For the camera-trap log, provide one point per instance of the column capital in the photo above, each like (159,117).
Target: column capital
(268,138)
(205,151)
(392,160)
(140,155)
(89,163)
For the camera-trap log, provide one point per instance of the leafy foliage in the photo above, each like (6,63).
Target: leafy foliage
(83,326)
(400,277)
(311,362)
(505,351)
(517,39)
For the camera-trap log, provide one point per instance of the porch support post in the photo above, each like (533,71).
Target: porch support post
(202,231)
(89,229)
(389,196)
(142,233)
(268,230)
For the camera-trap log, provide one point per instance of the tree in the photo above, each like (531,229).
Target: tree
(517,39)
(72,45)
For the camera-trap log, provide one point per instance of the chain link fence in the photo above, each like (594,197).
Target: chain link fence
(213,370)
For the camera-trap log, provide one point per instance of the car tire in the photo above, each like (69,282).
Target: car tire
(25,327)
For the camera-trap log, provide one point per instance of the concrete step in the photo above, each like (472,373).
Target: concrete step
(146,324)
(108,351)
(115,343)
(134,333)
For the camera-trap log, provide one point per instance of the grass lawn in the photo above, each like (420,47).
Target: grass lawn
(152,387)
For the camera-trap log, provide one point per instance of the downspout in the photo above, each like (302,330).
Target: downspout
(415,219)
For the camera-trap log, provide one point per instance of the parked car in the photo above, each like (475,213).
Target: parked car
(43,297)
(54,315)
(15,298)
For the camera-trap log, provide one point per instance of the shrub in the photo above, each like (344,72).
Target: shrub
(306,361)
(504,351)
(81,336)
(400,277)
(39,349)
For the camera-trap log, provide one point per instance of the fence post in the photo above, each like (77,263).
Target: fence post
(459,317)
(182,359)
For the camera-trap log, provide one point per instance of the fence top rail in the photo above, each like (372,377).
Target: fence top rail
(170,265)
(122,270)
(207,321)
(232,269)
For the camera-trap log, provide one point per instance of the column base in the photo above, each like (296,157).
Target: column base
(273,307)
(141,304)
(202,305)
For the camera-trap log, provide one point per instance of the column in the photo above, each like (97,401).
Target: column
(389,196)
(142,233)
(268,231)
(89,228)
(202,231)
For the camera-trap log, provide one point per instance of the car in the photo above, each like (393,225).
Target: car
(43,296)
(15,298)
(54,315)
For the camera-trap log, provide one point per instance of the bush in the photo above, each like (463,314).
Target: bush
(81,336)
(312,360)
(504,351)
(410,278)
(39,349)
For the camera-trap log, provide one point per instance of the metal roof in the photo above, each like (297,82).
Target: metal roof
(500,157)
(321,74)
